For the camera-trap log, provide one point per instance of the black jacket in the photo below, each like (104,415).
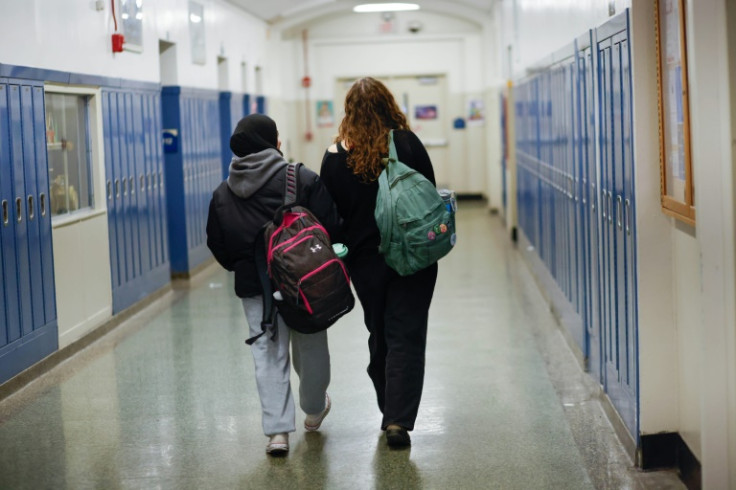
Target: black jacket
(246,201)
(356,200)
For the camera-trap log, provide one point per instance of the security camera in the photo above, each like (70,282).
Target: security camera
(414,26)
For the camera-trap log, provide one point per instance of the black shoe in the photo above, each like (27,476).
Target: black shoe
(397,436)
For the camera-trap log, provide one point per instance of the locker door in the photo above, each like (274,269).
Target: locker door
(30,200)
(109,106)
(607,245)
(139,186)
(629,222)
(8,261)
(22,242)
(159,180)
(42,208)
(620,332)
(619,271)
(591,205)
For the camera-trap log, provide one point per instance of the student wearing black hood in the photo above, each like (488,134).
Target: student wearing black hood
(239,208)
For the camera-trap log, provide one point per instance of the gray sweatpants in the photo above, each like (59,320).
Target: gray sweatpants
(311,358)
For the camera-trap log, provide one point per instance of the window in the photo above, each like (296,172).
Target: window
(132,17)
(68,148)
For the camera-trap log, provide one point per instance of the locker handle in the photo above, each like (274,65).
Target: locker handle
(30,208)
(19,209)
(603,203)
(150,181)
(125,186)
(142,178)
(627,212)
(610,208)
(619,209)
(117,188)
(570,187)
(593,197)
(5,212)
(131,184)
(109,190)
(42,198)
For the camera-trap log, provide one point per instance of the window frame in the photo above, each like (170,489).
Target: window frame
(96,170)
(683,210)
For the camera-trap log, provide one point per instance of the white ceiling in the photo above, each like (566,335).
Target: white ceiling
(278,11)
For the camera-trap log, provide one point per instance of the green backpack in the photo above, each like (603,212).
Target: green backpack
(416,222)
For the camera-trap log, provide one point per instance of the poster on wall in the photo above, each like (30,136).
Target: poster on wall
(476,112)
(425,112)
(325,114)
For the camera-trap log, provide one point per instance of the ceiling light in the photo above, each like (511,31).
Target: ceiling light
(385,7)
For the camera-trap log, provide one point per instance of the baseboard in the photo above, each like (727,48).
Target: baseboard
(469,197)
(668,450)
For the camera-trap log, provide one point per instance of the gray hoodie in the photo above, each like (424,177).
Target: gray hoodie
(251,172)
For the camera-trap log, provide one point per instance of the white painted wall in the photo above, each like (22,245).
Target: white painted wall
(73,36)
(536,28)
(352,45)
(711,98)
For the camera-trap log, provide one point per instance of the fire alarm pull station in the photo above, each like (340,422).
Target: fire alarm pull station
(117,43)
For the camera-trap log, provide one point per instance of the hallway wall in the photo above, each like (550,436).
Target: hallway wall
(687,331)
(73,36)
(352,46)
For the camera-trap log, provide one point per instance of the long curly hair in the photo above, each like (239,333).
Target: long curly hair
(370,113)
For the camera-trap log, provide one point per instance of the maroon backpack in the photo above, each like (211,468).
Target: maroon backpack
(311,284)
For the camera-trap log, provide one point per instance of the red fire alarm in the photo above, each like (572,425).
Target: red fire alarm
(117,42)
(306,82)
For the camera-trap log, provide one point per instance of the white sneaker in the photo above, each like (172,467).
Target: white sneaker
(278,444)
(312,422)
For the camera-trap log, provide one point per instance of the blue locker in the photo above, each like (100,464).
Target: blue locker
(41,207)
(11,299)
(192,172)
(260,104)
(619,313)
(589,203)
(30,200)
(136,214)
(247,107)
(109,109)
(29,329)
(22,242)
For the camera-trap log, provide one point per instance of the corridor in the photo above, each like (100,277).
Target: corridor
(168,398)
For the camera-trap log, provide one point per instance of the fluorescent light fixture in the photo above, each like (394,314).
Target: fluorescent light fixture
(385,7)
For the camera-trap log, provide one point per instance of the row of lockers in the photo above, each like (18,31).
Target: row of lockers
(156,197)
(576,201)
(27,301)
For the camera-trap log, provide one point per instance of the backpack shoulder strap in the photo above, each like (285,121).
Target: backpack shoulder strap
(269,311)
(291,184)
(392,153)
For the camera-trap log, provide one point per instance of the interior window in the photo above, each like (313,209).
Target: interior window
(67,141)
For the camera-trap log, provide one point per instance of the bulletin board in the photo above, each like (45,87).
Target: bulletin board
(674,111)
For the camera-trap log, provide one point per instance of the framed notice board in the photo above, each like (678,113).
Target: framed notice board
(674,111)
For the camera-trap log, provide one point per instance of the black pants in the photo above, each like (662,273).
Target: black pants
(396,314)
